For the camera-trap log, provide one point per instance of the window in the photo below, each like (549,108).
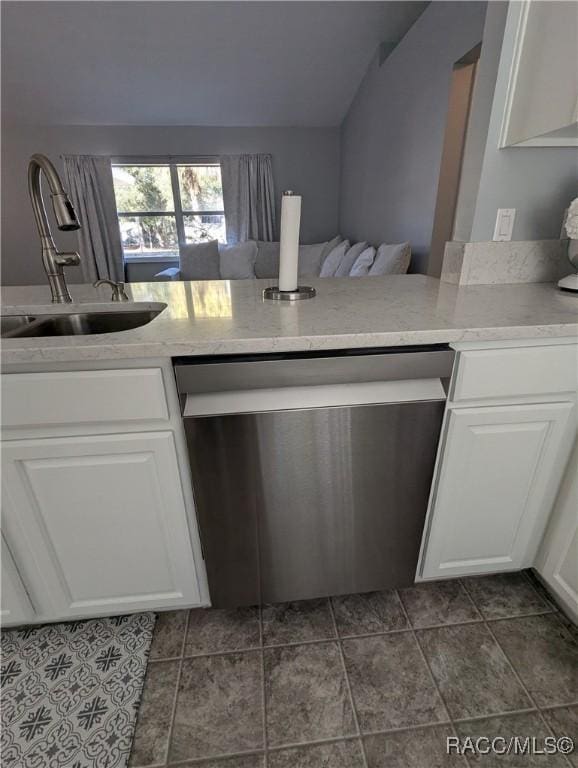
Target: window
(166,205)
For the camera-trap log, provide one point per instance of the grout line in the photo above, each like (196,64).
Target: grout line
(549,602)
(449,721)
(152,765)
(424,658)
(176,696)
(409,628)
(478,610)
(315,743)
(164,659)
(569,634)
(223,757)
(519,679)
(263,692)
(348,684)
(545,612)
(407,728)
(550,707)
(490,715)
(516,675)
(551,732)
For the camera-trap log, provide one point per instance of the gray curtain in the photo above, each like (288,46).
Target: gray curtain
(249,197)
(90,186)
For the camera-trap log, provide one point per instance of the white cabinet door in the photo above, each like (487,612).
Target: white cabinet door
(16,607)
(98,524)
(557,560)
(497,477)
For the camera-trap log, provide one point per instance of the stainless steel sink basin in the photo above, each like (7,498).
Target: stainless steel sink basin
(78,324)
(11,325)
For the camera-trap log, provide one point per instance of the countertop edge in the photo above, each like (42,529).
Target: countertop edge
(116,350)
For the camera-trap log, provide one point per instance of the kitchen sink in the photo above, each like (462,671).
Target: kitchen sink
(11,325)
(77,324)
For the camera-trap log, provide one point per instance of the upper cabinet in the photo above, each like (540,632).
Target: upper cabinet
(540,45)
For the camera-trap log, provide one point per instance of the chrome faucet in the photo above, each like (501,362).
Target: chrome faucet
(53,260)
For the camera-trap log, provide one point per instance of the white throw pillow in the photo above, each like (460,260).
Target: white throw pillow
(349,259)
(363,263)
(333,259)
(237,262)
(200,261)
(391,259)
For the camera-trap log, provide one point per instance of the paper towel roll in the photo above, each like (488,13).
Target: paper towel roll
(289,247)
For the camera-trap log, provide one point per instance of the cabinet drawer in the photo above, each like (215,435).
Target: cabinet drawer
(83,397)
(516,372)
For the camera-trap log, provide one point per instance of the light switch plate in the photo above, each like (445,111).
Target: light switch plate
(504,224)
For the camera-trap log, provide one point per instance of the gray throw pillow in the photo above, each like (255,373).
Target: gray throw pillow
(200,261)
(311,258)
(329,246)
(237,262)
(391,259)
(363,263)
(267,261)
(349,259)
(333,259)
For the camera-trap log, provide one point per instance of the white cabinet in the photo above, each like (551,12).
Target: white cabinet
(16,606)
(498,472)
(98,523)
(557,560)
(97,507)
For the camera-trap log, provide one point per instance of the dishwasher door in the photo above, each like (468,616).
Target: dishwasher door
(324,499)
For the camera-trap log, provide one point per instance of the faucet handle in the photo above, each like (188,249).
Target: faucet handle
(118,292)
(67,259)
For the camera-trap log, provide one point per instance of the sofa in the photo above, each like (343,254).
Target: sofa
(260,259)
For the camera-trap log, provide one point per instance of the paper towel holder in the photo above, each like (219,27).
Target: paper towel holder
(300,292)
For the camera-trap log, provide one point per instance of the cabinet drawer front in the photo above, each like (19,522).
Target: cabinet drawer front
(83,397)
(516,372)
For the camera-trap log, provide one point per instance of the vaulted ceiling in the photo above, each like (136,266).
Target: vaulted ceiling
(191,63)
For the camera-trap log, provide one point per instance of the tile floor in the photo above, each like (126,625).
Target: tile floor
(362,681)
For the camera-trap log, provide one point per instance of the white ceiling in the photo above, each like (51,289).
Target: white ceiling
(190,63)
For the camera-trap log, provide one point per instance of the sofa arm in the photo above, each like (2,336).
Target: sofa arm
(171,273)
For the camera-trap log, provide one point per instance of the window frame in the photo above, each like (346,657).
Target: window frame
(173,162)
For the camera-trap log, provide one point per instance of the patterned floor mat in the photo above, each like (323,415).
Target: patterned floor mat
(70,692)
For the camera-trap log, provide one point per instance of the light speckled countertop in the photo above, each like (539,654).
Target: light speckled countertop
(228,317)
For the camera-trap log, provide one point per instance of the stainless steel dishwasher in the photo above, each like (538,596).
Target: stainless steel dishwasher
(311,473)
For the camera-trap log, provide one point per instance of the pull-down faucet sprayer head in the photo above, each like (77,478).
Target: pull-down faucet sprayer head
(64,213)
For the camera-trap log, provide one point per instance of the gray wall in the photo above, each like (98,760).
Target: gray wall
(479,120)
(393,134)
(539,182)
(305,160)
